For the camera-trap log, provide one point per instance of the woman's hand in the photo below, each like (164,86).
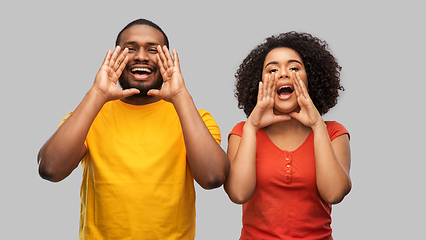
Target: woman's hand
(263,113)
(308,114)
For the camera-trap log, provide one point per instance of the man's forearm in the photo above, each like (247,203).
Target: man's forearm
(209,163)
(61,154)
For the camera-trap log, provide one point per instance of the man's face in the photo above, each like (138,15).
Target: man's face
(141,71)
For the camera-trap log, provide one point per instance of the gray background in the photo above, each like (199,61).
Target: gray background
(51,51)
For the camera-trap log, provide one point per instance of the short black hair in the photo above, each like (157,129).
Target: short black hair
(142,21)
(322,70)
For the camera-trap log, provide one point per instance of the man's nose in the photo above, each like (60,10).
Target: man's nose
(141,55)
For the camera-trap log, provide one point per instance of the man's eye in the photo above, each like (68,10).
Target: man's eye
(154,50)
(131,49)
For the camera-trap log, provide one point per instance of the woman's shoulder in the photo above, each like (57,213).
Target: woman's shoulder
(335,129)
(238,129)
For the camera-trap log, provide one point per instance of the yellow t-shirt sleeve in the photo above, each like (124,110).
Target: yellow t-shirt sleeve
(63,120)
(211,125)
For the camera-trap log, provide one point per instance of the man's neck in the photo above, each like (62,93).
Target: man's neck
(140,100)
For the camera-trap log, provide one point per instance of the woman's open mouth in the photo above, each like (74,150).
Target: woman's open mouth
(284,92)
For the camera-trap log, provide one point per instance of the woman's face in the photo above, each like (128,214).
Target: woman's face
(284,63)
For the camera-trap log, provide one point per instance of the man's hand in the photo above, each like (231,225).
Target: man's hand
(107,76)
(174,84)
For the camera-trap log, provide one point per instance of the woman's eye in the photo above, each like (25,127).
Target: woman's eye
(273,70)
(294,69)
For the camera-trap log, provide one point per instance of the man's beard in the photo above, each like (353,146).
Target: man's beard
(141,86)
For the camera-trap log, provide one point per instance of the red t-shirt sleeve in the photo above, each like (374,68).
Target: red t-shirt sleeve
(237,130)
(335,129)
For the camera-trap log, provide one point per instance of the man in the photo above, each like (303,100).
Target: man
(141,147)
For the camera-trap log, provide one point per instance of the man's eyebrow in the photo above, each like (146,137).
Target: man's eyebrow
(129,43)
(289,61)
(153,43)
(135,43)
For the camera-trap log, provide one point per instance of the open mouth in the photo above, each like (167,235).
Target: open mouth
(284,92)
(141,71)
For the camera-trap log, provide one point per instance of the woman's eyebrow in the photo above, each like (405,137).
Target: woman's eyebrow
(289,61)
(294,60)
(271,63)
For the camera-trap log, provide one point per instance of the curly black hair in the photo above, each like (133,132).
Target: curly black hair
(322,70)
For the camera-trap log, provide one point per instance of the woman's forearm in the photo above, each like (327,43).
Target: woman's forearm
(332,161)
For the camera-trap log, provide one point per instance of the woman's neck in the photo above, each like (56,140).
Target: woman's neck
(288,135)
(288,127)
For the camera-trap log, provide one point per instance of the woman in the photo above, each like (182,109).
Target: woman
(287,164)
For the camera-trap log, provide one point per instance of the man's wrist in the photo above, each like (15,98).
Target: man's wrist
(183,97)
(96,96)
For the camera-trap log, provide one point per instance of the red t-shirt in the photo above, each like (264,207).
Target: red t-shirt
(286,203)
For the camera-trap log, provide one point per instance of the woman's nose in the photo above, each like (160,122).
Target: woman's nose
(284,73)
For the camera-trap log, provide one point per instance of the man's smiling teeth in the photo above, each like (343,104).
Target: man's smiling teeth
(141,70)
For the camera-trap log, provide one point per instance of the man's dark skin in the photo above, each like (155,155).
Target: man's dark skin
(143,45)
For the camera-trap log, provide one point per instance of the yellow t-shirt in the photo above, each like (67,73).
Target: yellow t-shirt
(137,183)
